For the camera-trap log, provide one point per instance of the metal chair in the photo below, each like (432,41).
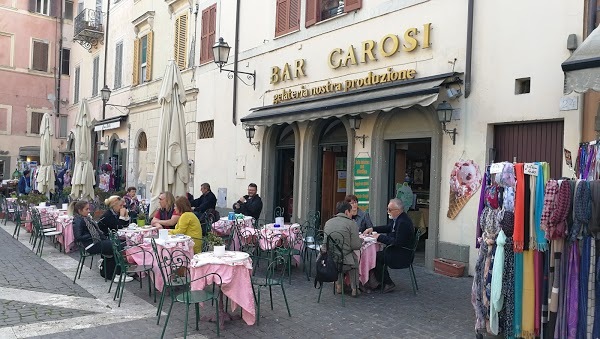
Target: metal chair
(279,212)
(83,254)
(387,251)
(274,277)
(334,247)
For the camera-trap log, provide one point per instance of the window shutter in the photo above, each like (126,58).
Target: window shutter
(136,63)
(281,17)
(40,56)
(212,31)
(35,122)
(31,6)
(181,40)
(76,89)
(311,13)
(149,57)
(204,36)
(352,5)
(55,8)
(294,15)
(118,65)
(96,72)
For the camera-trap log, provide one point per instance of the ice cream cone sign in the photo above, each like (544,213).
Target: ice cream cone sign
(465,180)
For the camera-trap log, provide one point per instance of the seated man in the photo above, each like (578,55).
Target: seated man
(250,204)
(343,230)
(206,201)
(400,232)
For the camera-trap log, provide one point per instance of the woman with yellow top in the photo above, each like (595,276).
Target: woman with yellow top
(188,223)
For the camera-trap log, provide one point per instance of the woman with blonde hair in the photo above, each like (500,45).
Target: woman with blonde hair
(165,216)
(188,223)
(116,216)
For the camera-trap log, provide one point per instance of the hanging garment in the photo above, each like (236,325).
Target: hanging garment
(497,298)
(538,273)
(591,309)
(528,299)
(480,313)
(549,197)
(561,318)
(594,220)
(582,208)
(561,210)
(519,235)
(480,211)
(572,291)
(508,280)
(557,247)
(546,285)
(518,319)
(584,273)
(540,237)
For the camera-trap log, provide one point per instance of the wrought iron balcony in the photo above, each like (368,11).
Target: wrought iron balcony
(89,30)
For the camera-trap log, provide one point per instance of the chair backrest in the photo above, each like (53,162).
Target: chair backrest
(279,212)
(116,245)
(314,218)
(271,241)
(158,258)
(412,249)
(335,246)
(248,241)
(276,270)
(175,267)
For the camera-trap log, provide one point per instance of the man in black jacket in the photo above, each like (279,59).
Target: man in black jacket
(399,232)
(206,201)
(250,204)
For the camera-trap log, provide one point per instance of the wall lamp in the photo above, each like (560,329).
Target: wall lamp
(250,131)
(444,112)
(105,95)
(221,54)
(354,121)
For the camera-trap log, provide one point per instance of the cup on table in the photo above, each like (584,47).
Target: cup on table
(219,251)
(231,216)
(279,221)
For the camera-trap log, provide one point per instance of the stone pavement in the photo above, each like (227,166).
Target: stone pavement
(38,299)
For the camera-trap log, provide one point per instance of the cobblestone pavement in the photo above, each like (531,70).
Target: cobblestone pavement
(441,308)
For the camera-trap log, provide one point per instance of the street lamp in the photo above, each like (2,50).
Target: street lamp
(354,121)
(221,54)
(250,131)
(444,112)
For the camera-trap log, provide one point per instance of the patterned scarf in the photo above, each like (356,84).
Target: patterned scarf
(480,211)
(582,208)
(572,291)
(591,311)
(584,274)
(541,243)
(594,221)
(519,235)
(497,298)
(508,279)
(549,197)
(518,293)
(92,228)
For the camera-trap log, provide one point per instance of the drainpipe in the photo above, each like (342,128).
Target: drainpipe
(106,54)
(591,17)
(60,21)
(469,48)
(235,61)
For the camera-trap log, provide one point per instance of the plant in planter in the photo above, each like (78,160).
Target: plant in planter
(141,218)
(211,240)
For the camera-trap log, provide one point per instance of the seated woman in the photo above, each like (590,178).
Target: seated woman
(362,218)
(165,216)
(132,204)
(116,216)
(88,235)
(188,223)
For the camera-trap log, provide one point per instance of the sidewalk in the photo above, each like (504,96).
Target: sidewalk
(38,298)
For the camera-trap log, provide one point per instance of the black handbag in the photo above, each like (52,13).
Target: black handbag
(327,270)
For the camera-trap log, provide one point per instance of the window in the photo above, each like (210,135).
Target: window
(142,59)
(5,119)
(62,127)
(118,64)
(80,6)
(6,49)
(287,16)
(319,10)
(36,122)
(76,87)
(522,86)
(65,61)
(209,23)
(40,56)
(42,7)
(206,129)
(98,5)
(96,70)
(68,9)
(181,40)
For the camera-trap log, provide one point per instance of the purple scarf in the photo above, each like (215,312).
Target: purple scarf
(572,292)
(480,210)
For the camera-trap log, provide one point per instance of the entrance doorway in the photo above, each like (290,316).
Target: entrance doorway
(333,147)
(410,165)
(284,175)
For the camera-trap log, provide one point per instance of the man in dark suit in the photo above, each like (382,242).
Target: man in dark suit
(399,232)
(206,201)
(250,204)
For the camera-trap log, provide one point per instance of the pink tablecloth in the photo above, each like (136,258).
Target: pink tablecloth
(368,258)
(223,226)
(135,255)
(271,238)
(136,237)
(236,285)
(67,238)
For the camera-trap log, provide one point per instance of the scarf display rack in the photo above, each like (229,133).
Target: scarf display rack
(535,275)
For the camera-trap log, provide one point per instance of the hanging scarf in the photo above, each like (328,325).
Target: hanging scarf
(538,272)
(546,284)
(528,298)
(477,288)
(584,274)
(594,219)
(92,227)
(518,292)
(479,211)
(527,215)
(497,298)
(572,291)
(487,282)
(555,274)
(549,196)
(561,210)
(541,243)
(582,208)
(519,235)
(591,311)
(561,318)
(591,164)
(596,327)
(508,279)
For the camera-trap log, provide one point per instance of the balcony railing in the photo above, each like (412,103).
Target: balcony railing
(89,30)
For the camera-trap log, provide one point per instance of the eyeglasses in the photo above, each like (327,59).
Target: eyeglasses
(392,209)
(159,198)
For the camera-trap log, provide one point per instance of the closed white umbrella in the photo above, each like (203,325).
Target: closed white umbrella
(171,172)
(83,179)
(45,173)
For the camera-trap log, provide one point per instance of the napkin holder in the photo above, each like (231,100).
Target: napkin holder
(65,206)
(279,221)
(219,251)
(163,234)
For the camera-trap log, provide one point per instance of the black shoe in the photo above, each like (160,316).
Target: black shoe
(388,288)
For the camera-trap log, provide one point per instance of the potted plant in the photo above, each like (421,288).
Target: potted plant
(141,218)
(212,240)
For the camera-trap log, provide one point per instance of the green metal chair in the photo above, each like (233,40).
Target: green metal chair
(274,277)
(279,212)
(127,268)
(388,251)
(163,259)
(83,254)
(293,245)
(179,270)
(18,216)
(313,239)
(334,247)
(42,233)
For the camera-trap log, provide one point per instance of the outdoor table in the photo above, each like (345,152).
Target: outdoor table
(135,235)
(64,224)
(235,269)
(367,258)
(134,255)
(268,240)
(45,217)
(224,226)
